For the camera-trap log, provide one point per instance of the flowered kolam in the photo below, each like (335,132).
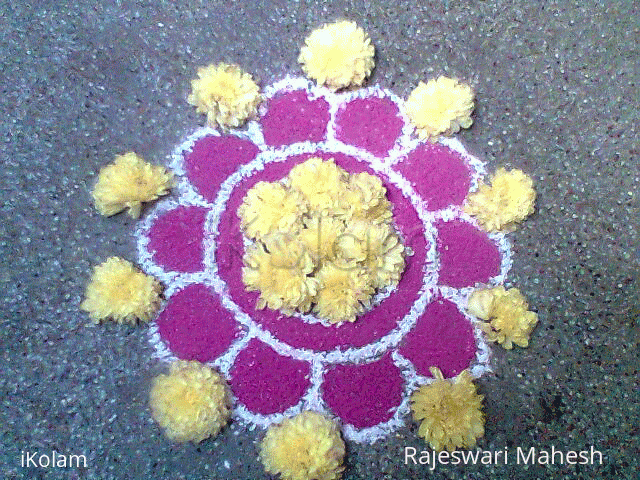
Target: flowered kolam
(449,411)
(228,95)
(339,54)
(305,447)
(272,373)
(121,292)
(508,201)
(129,182)
(439,107)
(191,403)
(506,311)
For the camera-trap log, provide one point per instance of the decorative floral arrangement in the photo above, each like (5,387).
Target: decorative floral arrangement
(413,247)
(323,238)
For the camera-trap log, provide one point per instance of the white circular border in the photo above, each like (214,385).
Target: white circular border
(312,400)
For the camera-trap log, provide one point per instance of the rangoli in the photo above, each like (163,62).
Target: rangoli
(328,270)
(278,365)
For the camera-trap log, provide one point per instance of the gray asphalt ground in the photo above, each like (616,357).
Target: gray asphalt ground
(557,96)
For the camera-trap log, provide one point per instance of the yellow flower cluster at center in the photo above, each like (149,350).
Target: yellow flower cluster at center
(323,241)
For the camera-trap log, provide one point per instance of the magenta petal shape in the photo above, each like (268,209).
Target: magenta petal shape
(293,117)
(442,338)
(364,395)
(267,382)
(438,174)
(213,159)
(467,255)
(175,239)
(195,325)
(371,123)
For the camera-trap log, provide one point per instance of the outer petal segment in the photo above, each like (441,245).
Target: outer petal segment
(371,123)
(196,326)
(267,382)
(364,395)
(438,174)
(175,239)
(294,117)
(467,255)
(213,159)
(442,338)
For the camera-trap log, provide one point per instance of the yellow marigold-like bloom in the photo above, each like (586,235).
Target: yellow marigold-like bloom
(339,54)
(119,291)
(366,199)
(321,182)
(271,207)
(191,403)
(344,293)
(507,313)
(320,235)
(305,447)
(439,107)
(376,247)
(128,182)
(228,95)
(508,201)
(280,271)
(449,412)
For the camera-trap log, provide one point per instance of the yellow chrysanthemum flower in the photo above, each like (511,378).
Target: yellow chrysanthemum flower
(339,54)
(507,313)
(320,235)
(128,182)
(228,95)
(366,199)
(305,447)
(322,183)
(376,247)
(191,403)
(508,201)
(121,292)
(280,271)
(271,207)
(449,412)
(344,293)
(439,107)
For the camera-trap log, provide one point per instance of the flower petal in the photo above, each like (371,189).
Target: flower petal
(442,338)
(175,239)
(267,382)
(364,395)
(213,159)
(438,174)
(371,123)
(196,326)
(293,117)
(467,255)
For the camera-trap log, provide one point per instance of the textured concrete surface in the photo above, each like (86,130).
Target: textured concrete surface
(557,90)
